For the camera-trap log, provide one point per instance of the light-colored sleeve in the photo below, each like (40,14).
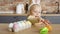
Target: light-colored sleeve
(30,17)
(40,18)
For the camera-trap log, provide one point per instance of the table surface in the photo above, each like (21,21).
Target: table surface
(32,30)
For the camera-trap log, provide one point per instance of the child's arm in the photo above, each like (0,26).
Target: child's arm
(46,22)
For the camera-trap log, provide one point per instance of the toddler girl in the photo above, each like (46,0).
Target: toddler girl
(35,17)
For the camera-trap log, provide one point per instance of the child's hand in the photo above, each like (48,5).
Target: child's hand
(47,21)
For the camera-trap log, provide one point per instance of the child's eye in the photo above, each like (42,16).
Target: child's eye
(35,11)
(39,12)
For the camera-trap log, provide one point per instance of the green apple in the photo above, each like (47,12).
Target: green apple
(44,30)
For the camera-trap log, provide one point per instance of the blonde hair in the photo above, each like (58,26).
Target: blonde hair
(34,6)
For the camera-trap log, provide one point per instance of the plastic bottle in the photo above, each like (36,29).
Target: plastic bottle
(10,26)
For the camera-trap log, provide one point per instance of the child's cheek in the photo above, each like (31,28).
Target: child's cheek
(34,14)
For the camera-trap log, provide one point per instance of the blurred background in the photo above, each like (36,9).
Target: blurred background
(48,7)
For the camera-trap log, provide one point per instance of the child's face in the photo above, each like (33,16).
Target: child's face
(36,12)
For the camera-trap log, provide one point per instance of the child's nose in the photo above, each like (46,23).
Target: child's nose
(38,14)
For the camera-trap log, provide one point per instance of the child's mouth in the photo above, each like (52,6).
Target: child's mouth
(36,16)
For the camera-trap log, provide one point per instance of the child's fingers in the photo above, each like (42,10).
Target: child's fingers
(47,21)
